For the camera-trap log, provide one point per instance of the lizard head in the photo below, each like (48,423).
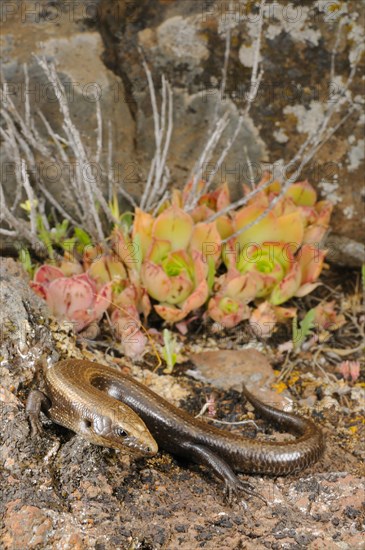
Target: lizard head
(119,428)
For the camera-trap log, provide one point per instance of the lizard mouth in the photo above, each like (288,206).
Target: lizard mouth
(136,447)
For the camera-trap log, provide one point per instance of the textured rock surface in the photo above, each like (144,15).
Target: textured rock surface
(20,310)
(63,33)
(58,491)
(186,41)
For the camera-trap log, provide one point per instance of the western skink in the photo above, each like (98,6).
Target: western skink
(114,410)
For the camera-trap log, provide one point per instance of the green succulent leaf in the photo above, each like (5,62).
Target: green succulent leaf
(306,325)
(168,351)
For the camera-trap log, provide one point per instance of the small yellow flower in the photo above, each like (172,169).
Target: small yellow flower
(28,205)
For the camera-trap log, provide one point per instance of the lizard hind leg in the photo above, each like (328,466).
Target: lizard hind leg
(232,483)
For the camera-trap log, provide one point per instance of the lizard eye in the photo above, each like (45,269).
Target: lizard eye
(120,432)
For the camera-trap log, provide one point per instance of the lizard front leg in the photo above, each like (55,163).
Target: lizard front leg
(37,401)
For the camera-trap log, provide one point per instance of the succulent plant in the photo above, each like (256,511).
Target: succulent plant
(74,299)
(172,258)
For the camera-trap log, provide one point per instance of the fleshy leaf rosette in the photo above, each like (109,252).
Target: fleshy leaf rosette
(176,266)
(276,274)
(74,299)
(175,279)
(125,318)
(129,299)
(234,291)
(208,204)
(298,208)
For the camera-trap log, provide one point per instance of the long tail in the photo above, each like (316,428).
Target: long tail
(289,421)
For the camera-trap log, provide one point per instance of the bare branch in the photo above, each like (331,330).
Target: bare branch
(205,156)
(99,132)
(158,178)
(31,199)
(255,76)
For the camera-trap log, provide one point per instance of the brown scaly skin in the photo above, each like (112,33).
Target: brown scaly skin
(82,392)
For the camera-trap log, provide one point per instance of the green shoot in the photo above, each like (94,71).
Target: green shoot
(114,207)
(126,221)
(45,236)
(306,325)
(25,260)
(168,351)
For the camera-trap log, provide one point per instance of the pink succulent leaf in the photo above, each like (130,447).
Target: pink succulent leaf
(326,317)
(107,268)
(128,296)
(103,300)
(314,234)
(282,229)
(70,268)
(169,313)
(263,320)
(305,289)
(200,267)
(302,193)
(241,287)
(155,280)
(39,289)
(227,311)
(46,274)
(85,277)
(284,313)
(133,295)
(311,263)
(174,224)
(350,370)
(128,330)
(222,196)
(310,214)
(181,287)
(318,222)
(182,327)
(206,239)
(145,304)
(201,213)
(67,295)
(82,319)
(142,226)
(194,301)
(198,297)
(287,287)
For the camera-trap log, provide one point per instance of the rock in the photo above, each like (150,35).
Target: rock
(344,251)
(26,526)
(229,369)
(186,42)
(22,319)
(67,36)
